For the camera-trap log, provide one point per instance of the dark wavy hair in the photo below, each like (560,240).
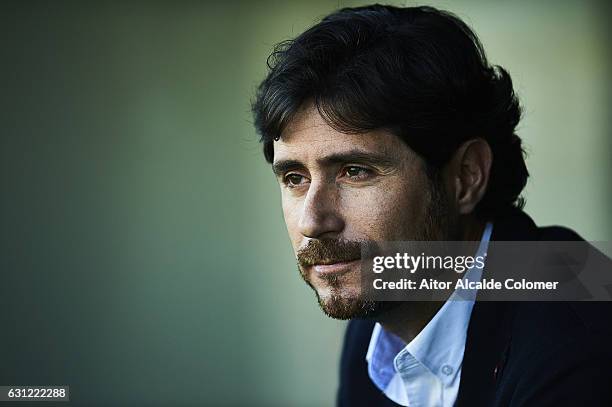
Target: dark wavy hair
(417,72)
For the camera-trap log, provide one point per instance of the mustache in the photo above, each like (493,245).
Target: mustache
(329,251)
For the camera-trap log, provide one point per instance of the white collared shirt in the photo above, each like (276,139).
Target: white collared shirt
(426,372)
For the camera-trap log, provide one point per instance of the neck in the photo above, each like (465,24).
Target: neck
(409,318)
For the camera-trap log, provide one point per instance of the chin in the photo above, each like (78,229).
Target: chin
(339,296)
(338,305)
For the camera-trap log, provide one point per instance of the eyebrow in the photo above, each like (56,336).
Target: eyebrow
(352,156)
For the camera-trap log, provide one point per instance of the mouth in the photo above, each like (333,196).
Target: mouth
(327,269)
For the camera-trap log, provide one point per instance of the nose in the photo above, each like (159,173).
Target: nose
(321,213)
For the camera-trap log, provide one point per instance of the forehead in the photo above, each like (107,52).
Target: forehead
(309,137)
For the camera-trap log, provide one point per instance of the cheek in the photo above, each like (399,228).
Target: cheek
(291,214)
(394,211)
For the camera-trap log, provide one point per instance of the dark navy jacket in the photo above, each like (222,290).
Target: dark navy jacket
(517,353)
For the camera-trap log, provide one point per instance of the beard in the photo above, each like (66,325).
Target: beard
(338,302)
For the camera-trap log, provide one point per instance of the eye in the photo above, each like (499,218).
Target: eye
(294,180)
(356,172)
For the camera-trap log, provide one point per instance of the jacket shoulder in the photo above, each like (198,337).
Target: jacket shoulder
(558,233)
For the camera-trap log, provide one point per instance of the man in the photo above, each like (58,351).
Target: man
(389,124)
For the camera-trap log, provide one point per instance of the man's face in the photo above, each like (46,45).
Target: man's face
(339,190)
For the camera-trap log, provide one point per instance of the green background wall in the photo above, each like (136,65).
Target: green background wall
(144,259)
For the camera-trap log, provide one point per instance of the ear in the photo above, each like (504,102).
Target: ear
(470,168)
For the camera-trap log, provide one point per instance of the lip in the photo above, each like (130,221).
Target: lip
(334,268)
